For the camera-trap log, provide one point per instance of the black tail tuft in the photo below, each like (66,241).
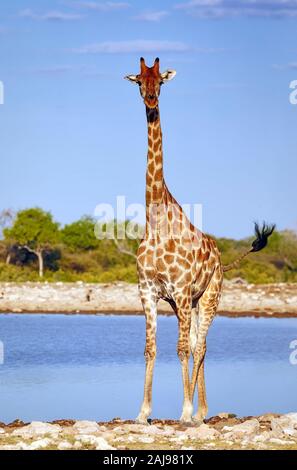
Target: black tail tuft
(262,234)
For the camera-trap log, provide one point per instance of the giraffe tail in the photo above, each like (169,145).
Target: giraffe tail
(262,234)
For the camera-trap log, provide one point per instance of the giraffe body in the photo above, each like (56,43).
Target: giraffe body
(176,262)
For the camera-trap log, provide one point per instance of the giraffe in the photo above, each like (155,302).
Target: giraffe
(176,262)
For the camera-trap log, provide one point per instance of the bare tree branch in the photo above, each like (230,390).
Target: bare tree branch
(28,248)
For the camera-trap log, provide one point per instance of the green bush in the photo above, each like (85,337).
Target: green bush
(73,253)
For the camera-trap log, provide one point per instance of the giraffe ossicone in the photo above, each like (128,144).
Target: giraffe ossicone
(176,262)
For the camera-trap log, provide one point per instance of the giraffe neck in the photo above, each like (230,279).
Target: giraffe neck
(154,173)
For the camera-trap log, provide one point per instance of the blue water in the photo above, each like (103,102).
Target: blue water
(92,367)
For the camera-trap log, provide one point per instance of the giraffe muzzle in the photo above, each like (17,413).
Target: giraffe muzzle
(151,101)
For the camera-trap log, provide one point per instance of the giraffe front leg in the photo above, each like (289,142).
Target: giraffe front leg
(202,407)
(183,305)
(149,302)
(193,340)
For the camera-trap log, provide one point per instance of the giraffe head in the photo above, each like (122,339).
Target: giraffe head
(150,80)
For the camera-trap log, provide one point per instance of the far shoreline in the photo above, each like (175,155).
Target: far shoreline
(239,299)
(231,314)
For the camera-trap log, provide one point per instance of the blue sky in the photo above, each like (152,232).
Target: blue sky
(73,132)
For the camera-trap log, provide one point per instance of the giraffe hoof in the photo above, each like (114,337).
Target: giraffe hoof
(141,420)
(198,419)
(186,420)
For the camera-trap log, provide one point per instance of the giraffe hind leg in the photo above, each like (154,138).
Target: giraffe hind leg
(207,305)
(194,332)
(202,402)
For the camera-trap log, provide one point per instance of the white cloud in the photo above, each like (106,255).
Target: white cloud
(227,86)
(154,16)
(235,8)
(50,16)
(136,46)
(290,65)
(55,70)
(61,70)
(101,6)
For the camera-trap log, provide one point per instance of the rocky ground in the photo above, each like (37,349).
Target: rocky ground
(225,431)
(238,298)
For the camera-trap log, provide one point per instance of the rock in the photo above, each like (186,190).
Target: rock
(144,429)
(64,445)
(107,435)
(261,446)
(153,430)
(281,442)
(239,281)
(229,443)
(86,427)
(290,432)
(135,427)
(263,437)
(245,442)
(268,417)
(120,439)
(2,431)
(227,428)
(286,424)
(17,423)
(119,430)
(99,442)
(39,444)
(77,445)
(292,417)
(103,445)
(8,447)
(37,428)
(169,431)
(146,440)
(226,415)
(275,431)
(103,428)
(247,428)
(178,433)
(179,439)
(203,432)
(19,446)
(237,297)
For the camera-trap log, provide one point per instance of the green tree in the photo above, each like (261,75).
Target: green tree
(80,235)
(34,230)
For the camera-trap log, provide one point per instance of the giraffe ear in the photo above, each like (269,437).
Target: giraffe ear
(168,75)
(132,78)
